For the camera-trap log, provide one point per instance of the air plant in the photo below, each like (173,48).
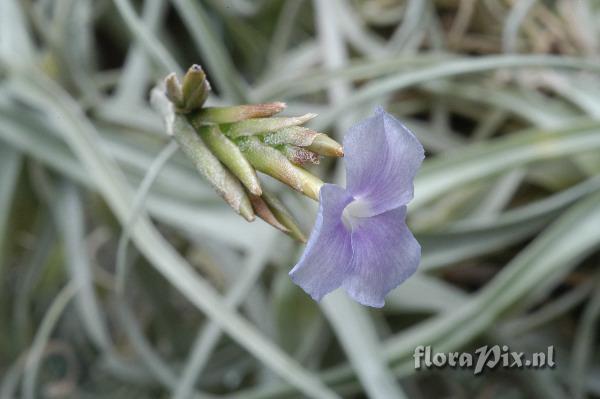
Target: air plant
(228,145)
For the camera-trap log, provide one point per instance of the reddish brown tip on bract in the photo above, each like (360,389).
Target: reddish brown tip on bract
(261,208)
(264,110)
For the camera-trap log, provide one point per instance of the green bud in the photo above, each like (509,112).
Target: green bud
(226,185)
(272,162)
(231,156)
(173,90)
(284,216)
(299,155)
(325,145)
(250,127)
(237,113)
(195,88)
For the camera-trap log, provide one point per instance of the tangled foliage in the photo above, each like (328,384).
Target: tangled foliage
(503,94)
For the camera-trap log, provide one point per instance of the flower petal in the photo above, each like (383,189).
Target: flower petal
(382,157)
(326,259)
(385,254)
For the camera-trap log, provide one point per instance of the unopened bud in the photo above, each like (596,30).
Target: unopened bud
(237,113)
(272,162)
(173,90)
(251,127)
(195,88)
(325,145)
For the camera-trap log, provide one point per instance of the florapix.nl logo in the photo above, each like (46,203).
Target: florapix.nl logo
(485,357)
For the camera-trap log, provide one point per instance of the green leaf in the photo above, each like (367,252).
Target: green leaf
(480,161)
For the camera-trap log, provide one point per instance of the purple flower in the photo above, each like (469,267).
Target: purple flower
(360,240)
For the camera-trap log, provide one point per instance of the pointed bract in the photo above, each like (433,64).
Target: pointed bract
(325,145)
(263,211)
(251,127)
(313,141)
(272,162)
(237,113)
(272,211)
(284,216)
(209,166)
(294,135)
(231,156)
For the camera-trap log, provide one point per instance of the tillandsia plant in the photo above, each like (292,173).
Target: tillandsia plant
(360,241)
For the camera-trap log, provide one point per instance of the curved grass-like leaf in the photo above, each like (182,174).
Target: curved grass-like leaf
(387,85)
(147,39)
(483,160)
(468,238)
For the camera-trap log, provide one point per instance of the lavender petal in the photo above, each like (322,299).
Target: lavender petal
(382,157)
(327,257)
(385,254)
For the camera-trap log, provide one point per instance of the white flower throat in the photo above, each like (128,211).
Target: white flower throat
(359,208)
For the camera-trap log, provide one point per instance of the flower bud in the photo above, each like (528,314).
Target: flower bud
(231,156)
(173,90)
(325,145)
(272,162)
(195,88)
(250,127)
(237,113)
(226,185)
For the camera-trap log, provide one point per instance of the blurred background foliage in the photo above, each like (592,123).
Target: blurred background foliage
(504,95)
